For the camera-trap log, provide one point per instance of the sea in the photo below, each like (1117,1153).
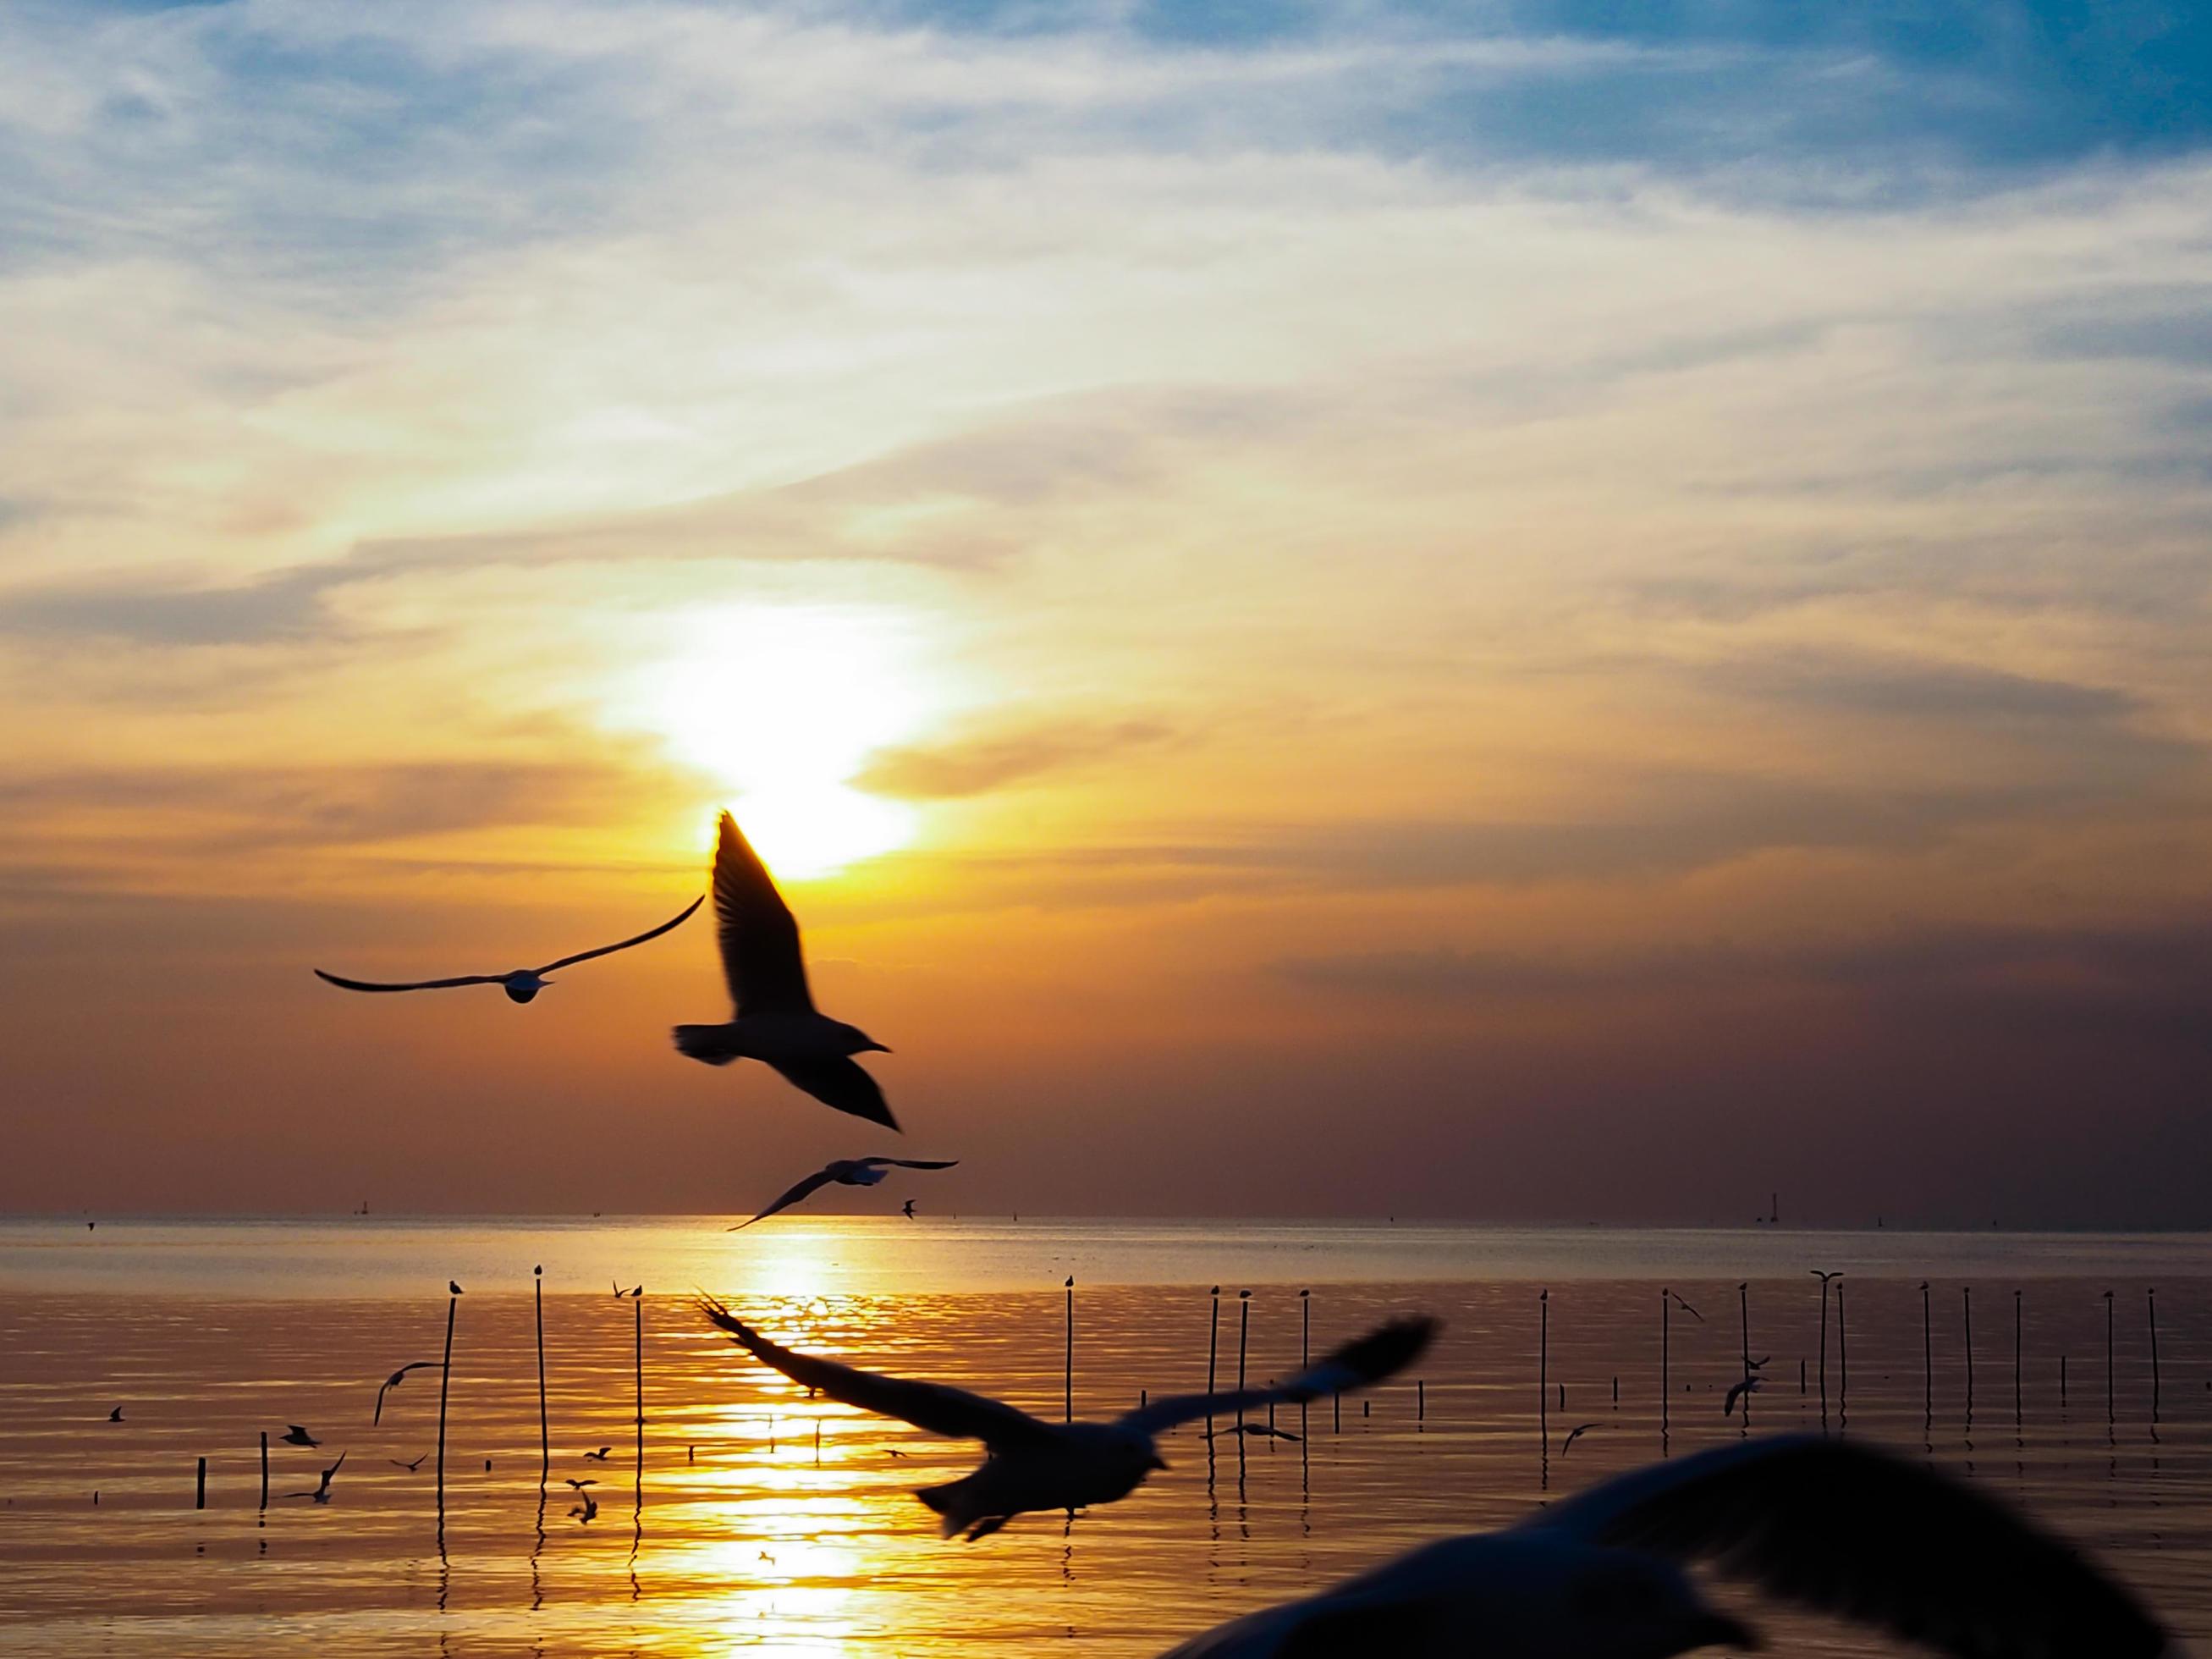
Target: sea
(603,1473)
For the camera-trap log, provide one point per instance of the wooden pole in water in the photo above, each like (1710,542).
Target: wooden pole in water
(1067,1369)
(1966,1300)
(2108,1356)
(2015,1359)
(1744,1303)
(1544,1365)
(2151,1296)
(1213,1349)
(1305,1345)
(445,1379)
(1243,1331)
(1928,1351)
(1824,1347)
(637,1365)
(1842,1358)
(545,1440)
(1666,1356)
(265,1468)
(199,1487)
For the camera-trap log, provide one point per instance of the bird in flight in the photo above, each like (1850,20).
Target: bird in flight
(1573,1435)
(1030,1464)
(907,1209)
(1831,1527)
(580,1484)
(521,984)
(395,1380)
(294,1435)
(1686,1308)
(634,1290)
(409,1468)
(599,1456)
(777,1022)
(1750,1385)
(588,1510)
(846,1172)
(116,1416)
(322,1493)
(1251,1430)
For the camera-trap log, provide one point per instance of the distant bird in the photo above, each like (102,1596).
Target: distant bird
(1736,1391)
(409,1468)
(1758,1364)
(599,1456)
(1686,1308)
(294,1435)
(1251,1430)
(580,1484)
(1573,1435)
(395,1380)
(1034,1464)
(521,984)
(634,1289)
(1834,1527)
(1825,1277)
(766,1557)
(454,1285)
(588,1510)
(907,1209)
(846,1172)
(116,1416)
(322,1493)
(777,1022)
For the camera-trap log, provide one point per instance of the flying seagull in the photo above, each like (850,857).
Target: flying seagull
(322,1493)
(588,1510)
(907,1209)
(846,1172)
(521,984)
(1573,1435)
(1030,1464)
(395,1380)
(1686,1308)
(580,1484)
(1737,1391)
(634,1290)
(409,1468)
(599,1456)
(294,1435)
(1834,1526)
(777,1022)
(1252,1430)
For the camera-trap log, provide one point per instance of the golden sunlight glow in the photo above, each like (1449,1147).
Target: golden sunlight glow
(783,704)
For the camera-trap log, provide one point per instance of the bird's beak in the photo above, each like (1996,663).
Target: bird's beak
(875,1047)
(1717,1629)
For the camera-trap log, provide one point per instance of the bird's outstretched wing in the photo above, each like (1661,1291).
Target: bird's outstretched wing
(791,1196)
(394,1381)
(932,1405)
(419,985)
(609,949)
(1358,1364)
(1839,1526)
(842,1083)
(909,1162)
(760,940)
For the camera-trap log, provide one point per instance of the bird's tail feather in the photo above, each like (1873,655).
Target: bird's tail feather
(708,1043)
(950,1501)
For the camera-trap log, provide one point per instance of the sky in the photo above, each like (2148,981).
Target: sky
(1336,609)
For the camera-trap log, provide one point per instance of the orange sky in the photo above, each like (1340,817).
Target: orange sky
(1288,666)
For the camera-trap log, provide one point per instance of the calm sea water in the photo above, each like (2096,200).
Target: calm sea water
(743,1515)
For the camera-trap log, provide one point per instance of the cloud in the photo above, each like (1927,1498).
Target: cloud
(979,764)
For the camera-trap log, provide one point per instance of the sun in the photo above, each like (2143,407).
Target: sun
(783,705)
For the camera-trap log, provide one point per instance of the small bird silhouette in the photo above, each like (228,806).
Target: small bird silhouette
(599,1456)
(116,1416)
(634,1289)
(395,1380)
(295,1436)
(1573,1435)
(843,1172)
(322,1493)
(588,1510)
(1686,1308)
(580,1484)
(1253,1430)
(1737,1391)
(454,1286)
(907,1209)
(521,984)
(409,1468)
(1825,1277)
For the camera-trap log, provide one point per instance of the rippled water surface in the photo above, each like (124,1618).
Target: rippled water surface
(744,1516)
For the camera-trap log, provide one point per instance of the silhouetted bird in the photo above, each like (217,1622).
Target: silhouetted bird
(634,1290)
(454,1286)
(907,1209)
(395,1380)
(322,1493)
(1687,1309)
(295,1435)
(599,1456)
(521,984)
(1030,1464)
(777,1022)
(1250,1431)
(846,1172)
(1737,1391)
(580,1484)
(1829,1526)
(588,1510)
(409,1468)
(116,1416)
(1573,1435)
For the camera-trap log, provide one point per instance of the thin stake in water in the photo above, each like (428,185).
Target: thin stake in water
(445,1377)
(1067,1372)
(544,1441)
(1243,1331)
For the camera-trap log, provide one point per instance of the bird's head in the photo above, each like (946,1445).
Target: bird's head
(521,985)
